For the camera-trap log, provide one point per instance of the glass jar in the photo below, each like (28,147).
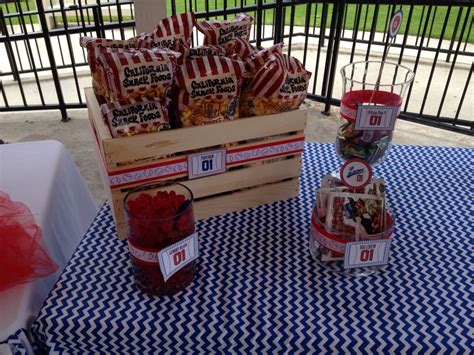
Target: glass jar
(328,248)
(162,240)
(363,86)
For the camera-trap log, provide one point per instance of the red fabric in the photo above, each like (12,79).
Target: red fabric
(22,258)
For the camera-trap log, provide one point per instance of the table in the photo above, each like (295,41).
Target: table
(257,290)
(43,176)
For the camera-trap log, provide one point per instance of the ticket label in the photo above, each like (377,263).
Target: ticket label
(178,255)
(206,163)
(367,253)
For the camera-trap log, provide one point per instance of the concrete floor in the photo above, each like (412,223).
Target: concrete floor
(76,136)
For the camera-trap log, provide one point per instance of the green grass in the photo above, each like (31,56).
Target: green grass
(299,16)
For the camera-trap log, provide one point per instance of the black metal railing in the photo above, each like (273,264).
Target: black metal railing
(436,41)
(45,68)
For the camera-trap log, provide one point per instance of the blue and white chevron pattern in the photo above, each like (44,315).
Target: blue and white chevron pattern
(18,343)
(257,290)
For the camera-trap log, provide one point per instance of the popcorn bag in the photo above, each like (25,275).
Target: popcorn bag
(23,258)
(131,74)
(279,85)
(209,90)
(173,32)
(127,118)
(220,32)
(92,46)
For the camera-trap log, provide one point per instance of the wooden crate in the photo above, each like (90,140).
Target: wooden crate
(254,176)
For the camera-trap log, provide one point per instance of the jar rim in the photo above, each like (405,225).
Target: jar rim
(410,73)
(152,185)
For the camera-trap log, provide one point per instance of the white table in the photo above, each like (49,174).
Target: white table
(43,176)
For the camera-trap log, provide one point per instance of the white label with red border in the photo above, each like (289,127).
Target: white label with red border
(206,163)
(355,173)
(176,256)
(395,24)
(367,253)
(376,118)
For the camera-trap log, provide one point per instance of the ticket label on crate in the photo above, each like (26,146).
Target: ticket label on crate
(376,118)
(206,163)
(367,253)
(176,256)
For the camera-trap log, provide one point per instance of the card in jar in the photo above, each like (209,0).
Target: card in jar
(220,32)
(127,118)
(132,74)
(209,90)
(355,214)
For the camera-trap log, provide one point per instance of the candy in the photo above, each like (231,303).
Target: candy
(370,146)
(155,222)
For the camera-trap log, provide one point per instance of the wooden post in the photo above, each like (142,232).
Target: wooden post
(148,13)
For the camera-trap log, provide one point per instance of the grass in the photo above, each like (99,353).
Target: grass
(434,28)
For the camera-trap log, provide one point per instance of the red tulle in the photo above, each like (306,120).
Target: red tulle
(22,258)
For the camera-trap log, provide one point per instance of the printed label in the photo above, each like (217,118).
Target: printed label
(144,75)
(355,173)
(206,163)
(135,114)
(294,84)
(226,34)
(376,118)
(223,85)
(366,253)
(176,256)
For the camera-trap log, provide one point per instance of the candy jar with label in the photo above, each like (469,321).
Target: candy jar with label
(162,239)
(372,98)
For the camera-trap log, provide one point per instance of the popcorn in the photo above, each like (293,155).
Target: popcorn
(209,90)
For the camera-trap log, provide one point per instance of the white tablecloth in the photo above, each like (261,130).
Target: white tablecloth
(43,176)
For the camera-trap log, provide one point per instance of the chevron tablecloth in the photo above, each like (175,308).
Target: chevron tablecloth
(257,290)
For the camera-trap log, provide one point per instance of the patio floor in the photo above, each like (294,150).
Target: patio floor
(76,136)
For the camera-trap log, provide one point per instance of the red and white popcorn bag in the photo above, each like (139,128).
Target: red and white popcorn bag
(131,74)
(92,46)
(127,118)
(279,85)
(220,32)
(260,57)
(173,32)
(209,90)
(240,49)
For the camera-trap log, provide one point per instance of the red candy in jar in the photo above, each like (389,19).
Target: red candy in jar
(162,239)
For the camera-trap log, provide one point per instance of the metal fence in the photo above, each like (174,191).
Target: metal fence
(436,41)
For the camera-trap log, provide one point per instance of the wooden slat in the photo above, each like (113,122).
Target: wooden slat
(244,178)
(95,115)
(184,139)
(299,134)
(246,199)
